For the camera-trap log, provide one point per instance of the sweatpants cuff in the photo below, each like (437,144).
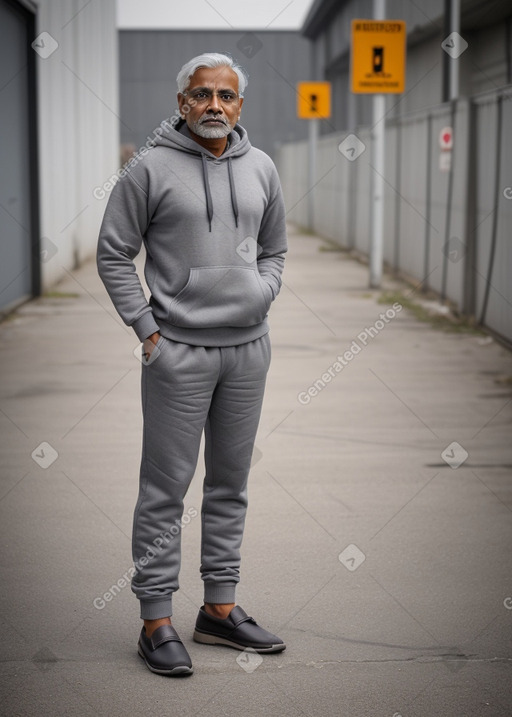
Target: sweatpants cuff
(154,609)
(219,594)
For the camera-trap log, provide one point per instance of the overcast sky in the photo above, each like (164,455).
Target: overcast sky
(208,14)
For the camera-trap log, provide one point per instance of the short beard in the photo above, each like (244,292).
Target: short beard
(210,132)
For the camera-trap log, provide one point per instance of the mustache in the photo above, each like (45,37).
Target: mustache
(205,118)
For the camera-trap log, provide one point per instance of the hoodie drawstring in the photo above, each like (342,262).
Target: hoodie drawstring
(209,202)
(234,202)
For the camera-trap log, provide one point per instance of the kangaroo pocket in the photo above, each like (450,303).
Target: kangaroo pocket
(220,296)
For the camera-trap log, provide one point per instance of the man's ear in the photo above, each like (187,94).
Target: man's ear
(240,106)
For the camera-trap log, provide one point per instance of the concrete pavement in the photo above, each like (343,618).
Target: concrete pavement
(379,528)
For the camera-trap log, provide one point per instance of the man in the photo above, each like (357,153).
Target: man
(209,209)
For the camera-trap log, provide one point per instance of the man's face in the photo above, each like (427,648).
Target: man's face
(212,96)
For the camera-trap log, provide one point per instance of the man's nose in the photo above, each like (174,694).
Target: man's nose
(214,104)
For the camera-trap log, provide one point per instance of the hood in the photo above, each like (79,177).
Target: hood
(180,138)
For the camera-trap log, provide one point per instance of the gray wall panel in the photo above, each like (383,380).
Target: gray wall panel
(343,201)
(391,186)
(78,127)
(77,123)
(15,197)
(498,315)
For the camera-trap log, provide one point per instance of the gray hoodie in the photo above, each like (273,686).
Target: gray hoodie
(215,238)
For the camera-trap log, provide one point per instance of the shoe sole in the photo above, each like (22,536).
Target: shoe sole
(175,672)
(207,639)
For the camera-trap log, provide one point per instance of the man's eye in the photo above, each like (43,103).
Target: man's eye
(199,95)
(228,97)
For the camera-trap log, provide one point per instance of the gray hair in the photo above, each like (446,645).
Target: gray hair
(211,59)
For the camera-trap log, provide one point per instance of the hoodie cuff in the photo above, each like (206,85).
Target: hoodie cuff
(145,326)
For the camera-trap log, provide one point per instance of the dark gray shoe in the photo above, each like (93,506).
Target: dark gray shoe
(238,630)
(164,652)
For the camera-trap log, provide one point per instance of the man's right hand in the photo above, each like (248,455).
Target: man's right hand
(149,344)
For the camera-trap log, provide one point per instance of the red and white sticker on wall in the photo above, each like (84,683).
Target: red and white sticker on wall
(445,145)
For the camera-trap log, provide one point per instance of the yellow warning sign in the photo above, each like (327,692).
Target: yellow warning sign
(377,56)
(313,100)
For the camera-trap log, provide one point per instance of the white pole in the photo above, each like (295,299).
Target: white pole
(313,137)
(377,193)
(454,62)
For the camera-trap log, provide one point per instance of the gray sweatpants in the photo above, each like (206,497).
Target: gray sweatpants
(186,389)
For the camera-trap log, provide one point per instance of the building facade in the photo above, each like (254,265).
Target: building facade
(447,205)
(60,137)
(486,27)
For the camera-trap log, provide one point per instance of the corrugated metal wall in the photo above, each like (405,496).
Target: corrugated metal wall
(493,211)
(19,274)
(78,126)
(461,248)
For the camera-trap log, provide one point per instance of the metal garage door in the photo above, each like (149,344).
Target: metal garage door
(18,162)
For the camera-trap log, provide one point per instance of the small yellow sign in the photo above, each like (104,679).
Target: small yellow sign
(313,100)
(377,56)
